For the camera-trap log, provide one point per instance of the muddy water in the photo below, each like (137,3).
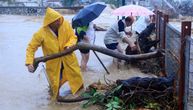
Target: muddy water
(21,90)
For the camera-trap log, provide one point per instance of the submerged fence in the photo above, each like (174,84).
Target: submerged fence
(175,42)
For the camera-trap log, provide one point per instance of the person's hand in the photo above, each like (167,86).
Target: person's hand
(67,48)
(30,68)
(128,36)
(133,48)
(129,33)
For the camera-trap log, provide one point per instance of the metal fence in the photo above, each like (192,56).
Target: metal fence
(175,45)
(188,104)
(188,100)
(172,47)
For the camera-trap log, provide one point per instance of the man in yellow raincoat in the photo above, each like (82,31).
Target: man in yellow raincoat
(55,36)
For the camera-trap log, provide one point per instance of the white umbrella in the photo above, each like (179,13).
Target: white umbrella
(132,10)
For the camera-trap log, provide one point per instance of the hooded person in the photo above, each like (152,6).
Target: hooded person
(54,36)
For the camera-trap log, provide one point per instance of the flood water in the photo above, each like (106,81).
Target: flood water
(21,90)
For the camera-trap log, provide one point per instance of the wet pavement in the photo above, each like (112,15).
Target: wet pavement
(21,90)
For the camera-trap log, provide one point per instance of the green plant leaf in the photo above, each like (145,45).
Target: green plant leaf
(116,99)
(109,108)
(116,89)
(89,93)
(108,105)
(132,106)
(114,103)
(116,106)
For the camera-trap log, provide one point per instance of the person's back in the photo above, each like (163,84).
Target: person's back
(145,41)
(141,23)
(81,32)
(91,32)
(147,31)
(113,33)
(85,34)
(116,33)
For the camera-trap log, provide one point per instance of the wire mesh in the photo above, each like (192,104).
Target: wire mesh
(189,74)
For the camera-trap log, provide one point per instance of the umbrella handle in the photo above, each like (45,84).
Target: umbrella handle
(131,24)
(98,56)
(94,37)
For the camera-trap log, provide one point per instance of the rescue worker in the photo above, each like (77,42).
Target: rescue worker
(116,33)
(54,36)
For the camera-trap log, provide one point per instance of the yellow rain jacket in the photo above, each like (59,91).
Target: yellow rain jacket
(50,45)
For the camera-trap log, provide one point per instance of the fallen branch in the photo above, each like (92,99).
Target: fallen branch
(72,100)
(139,91)
(100,49)
(136,92)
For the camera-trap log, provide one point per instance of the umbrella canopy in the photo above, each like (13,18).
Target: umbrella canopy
(132,10)
(87,14)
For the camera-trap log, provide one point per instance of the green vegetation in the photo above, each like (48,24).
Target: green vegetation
(118,99)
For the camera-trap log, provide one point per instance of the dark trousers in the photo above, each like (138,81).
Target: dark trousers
(61,69)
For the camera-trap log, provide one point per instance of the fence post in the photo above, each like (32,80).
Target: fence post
(185,31)
(166,20)
(157,24)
